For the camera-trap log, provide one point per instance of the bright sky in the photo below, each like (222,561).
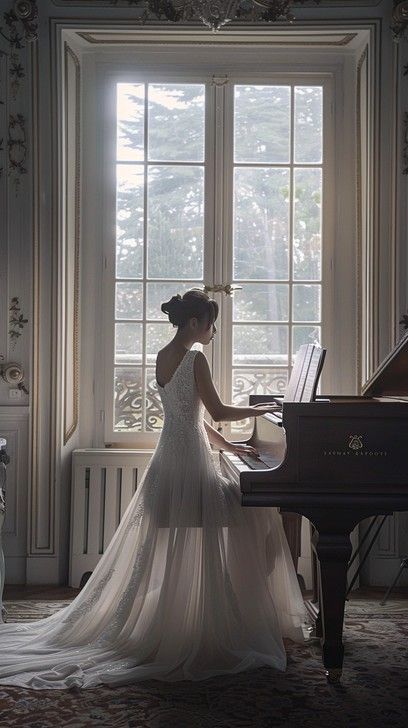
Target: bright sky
(172,99)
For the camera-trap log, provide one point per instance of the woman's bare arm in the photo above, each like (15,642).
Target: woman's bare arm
(221,443)
(215,437)
(210,397)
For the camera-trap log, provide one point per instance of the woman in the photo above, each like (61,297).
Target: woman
(192,585)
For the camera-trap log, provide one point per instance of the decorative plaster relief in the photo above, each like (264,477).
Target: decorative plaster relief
(19,27)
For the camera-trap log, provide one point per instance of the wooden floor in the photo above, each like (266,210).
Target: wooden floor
(65,592)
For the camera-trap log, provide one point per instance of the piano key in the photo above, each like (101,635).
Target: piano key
(253,462)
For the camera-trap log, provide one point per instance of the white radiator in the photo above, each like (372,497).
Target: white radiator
(103,483)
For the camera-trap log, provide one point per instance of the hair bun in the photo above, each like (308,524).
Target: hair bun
(194,303)
(172,304)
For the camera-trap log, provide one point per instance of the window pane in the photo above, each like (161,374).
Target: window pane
(304,335)
(154,411)
(306,303)
(254,345)
(261,223)
(128,399)
(254,381)
(308,124)
(158,293)
(128,343)
(261,302)
(157,336)
(129,300)
(307,224)
(176,122)
(262,124)
(175,222)
(130,121)
(129,221)
(257,381)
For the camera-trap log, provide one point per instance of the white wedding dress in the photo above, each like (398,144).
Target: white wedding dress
(192,584)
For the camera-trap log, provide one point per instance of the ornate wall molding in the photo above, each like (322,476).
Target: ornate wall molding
(71,192)
(405,135)
(14,423)
(17,147)
(405,143)
(149,37)
(3,203)
(3,110)
(362,63)
(20,23)
(18,27)
(41,524)
(400,19)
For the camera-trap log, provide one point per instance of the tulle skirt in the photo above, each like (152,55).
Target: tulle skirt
(192,585)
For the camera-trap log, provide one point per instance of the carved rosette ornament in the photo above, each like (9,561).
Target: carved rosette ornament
(399,19)
(21,22)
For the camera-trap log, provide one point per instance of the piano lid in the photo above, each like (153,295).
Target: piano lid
(391,377)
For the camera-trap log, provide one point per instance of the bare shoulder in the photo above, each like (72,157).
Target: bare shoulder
(205,386)
(163,351)
(162,363)
(201,367)
(163,354)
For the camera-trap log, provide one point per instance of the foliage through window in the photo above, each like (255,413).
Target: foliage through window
(163,156)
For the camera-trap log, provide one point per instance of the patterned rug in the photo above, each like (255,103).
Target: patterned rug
(373,692)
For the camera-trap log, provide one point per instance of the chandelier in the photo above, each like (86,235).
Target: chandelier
(216,13)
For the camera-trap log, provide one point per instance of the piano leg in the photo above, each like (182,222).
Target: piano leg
(312,605)
(292,525)
(333,517)
(334,555)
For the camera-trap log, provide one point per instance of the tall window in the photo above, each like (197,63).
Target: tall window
(215,185)
(160,231)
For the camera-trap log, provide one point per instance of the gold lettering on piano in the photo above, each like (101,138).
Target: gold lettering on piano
(356,446)
(355,453)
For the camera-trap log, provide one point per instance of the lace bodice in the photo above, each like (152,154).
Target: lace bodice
(182,406)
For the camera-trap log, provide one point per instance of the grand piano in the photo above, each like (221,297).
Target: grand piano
(335,460)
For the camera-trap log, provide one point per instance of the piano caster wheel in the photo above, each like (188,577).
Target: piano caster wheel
(333,675)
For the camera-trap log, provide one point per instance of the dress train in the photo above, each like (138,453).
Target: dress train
(191,585)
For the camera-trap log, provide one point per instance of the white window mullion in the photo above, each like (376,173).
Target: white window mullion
(227,250)
(210,176)
(291,225)
(107,236)
(220,88)
(328,318)
(145,203)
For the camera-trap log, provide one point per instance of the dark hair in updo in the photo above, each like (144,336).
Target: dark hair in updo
(194,304)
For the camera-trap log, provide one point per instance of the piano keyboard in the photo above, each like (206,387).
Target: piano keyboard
(253,462)
(235,464)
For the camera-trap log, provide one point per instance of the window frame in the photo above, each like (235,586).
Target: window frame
(217,226)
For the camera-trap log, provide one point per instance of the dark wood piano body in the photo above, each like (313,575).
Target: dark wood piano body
(336,461)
